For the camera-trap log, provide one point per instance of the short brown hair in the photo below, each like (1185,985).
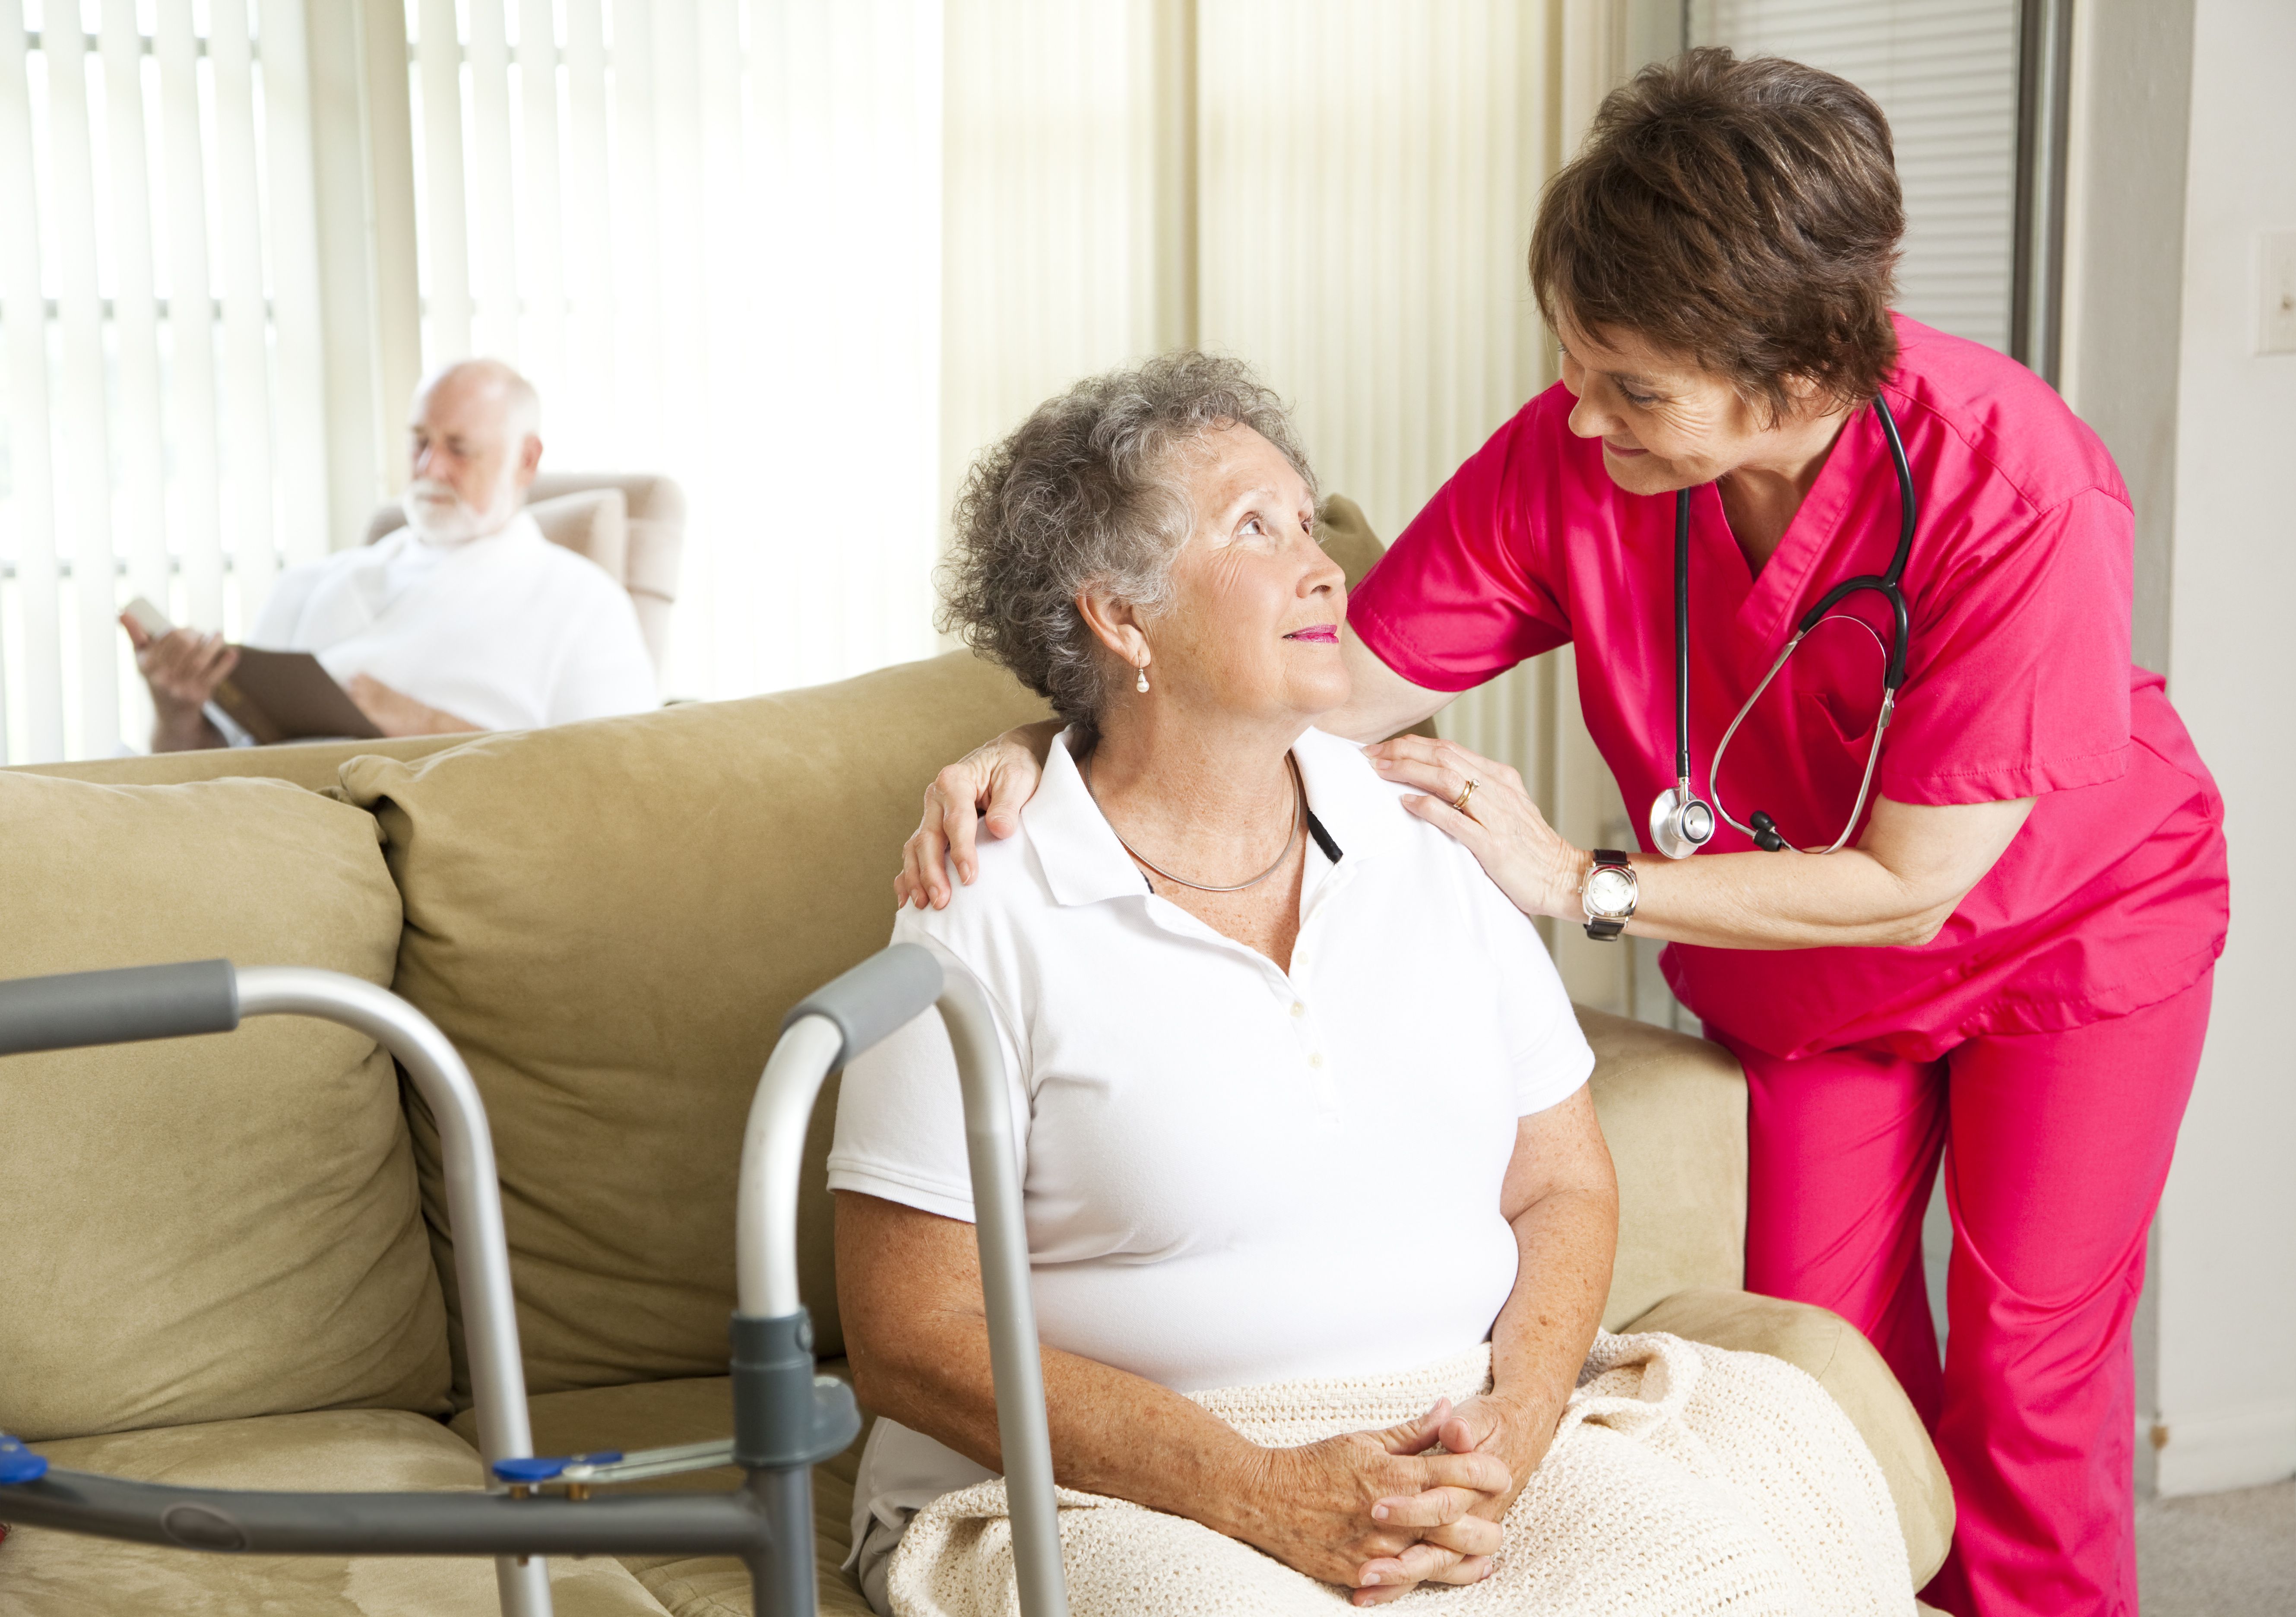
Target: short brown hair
(1745,213)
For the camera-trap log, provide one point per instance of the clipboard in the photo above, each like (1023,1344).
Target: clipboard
(277,696)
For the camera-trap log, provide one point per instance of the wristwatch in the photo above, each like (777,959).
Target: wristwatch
(1610,895)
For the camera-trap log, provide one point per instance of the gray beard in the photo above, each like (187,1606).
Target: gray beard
(458,525)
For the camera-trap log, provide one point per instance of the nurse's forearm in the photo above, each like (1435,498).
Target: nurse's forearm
(1898,886)
(1909,872)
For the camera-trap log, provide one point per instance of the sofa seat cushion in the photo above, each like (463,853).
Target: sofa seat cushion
(1845,1363)
(699,1409)
(609,920)
(210,1228)
(57,1574)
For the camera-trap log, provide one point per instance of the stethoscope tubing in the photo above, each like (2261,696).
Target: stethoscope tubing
(1886,585)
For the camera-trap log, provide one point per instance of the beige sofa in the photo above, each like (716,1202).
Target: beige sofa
(222,1255)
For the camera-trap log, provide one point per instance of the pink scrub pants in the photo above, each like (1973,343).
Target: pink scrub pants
(2055,1148)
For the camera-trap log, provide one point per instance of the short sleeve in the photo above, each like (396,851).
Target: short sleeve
(1454,601)
(2018,673)
(605,669)
(901,1116)
(1551,1056)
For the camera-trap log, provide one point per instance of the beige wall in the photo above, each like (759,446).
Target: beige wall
(2227,1227)
(2180,108)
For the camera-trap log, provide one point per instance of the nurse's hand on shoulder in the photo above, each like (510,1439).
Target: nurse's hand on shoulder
(1500,825)
(985,788)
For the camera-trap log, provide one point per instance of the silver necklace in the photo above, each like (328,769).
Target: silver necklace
(1299,804)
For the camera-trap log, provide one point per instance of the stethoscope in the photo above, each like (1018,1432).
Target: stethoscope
(1681,823)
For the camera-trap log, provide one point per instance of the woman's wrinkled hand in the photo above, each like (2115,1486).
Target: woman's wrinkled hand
(1377,1500)
(1515,1435)
(1499,825)
(984,788)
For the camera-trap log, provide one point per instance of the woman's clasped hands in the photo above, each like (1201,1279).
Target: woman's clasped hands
(1379,1513)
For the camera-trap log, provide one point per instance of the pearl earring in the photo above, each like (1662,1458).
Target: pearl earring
(1142,686)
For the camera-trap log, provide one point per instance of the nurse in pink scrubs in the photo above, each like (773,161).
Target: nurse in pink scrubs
(2007,963)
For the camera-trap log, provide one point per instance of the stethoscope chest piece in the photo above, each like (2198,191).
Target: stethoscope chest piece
(1680,823)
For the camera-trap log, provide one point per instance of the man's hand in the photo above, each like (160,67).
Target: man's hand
(395,713)
(183,667)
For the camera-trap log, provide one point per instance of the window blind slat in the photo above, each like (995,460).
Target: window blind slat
(731,576)
(292,238)
(195,518)
(634,234)
(246,418)
(140,506)
(445,248)
(31,607)
(675,242)
(542,255)
(84,484)
(582,413)
(487,181)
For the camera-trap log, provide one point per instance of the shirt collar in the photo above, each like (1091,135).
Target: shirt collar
(1085,864)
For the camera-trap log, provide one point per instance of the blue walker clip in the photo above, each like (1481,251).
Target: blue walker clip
(19,1464)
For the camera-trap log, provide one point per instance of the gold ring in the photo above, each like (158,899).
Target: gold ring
(1466,791)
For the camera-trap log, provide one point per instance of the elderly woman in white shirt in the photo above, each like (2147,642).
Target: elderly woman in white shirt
(1303,1095)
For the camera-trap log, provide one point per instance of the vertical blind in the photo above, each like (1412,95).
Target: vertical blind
(1945,73)
(710,232)
(158,342)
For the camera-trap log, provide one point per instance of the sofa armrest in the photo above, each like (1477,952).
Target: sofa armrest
(1845,1363)
(1673,1109)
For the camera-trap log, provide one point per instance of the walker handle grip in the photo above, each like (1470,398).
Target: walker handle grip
(117,1008)
(886,991)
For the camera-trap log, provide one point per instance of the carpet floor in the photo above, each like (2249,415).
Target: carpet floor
(2218,1554)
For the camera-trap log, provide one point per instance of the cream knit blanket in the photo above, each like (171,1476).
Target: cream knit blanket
(1683,1479)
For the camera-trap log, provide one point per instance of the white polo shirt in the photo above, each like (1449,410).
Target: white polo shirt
(1231,1174)
(508,632)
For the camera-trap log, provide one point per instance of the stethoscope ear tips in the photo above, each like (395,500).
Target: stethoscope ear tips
(1767,835)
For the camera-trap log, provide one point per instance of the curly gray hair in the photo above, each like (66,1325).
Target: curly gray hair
(1085,496)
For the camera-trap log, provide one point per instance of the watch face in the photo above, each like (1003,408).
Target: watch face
(1609,891)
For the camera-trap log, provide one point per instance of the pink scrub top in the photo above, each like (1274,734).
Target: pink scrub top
(2019,683)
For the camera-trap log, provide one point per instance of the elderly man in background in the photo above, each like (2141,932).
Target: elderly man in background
(466,618)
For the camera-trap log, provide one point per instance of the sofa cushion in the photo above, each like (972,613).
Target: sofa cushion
(651,1415)
(57,1574)
(1845,1363)
(212,1227)
(1673,1109)
(609,919)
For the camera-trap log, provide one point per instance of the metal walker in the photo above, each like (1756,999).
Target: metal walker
(786,1419)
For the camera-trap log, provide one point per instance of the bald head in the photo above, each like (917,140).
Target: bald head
(474,436)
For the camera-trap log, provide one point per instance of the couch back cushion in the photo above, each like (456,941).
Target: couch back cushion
(609,919)
(214,1228)
(1673,1110)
